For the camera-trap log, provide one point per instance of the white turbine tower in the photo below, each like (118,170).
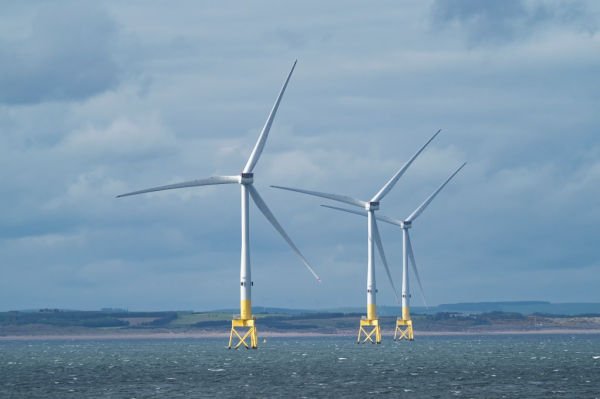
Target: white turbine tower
(406,331)
(373,235)
(245,179)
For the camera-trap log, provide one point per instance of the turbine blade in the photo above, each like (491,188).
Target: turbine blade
(424,205)
(359,213)
(200,182)
(388,187)
(336,197)
(388,219)
(262,139)
(377,239)
(414,265)
(383,218)
(269,215)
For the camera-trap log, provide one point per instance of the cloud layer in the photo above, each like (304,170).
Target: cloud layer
(98,101)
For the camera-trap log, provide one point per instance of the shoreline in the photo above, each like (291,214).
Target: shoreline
(200,335)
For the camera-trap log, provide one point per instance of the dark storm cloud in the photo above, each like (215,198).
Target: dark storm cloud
(496,22)
(68,55)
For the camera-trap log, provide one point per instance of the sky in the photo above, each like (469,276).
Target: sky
(102,98)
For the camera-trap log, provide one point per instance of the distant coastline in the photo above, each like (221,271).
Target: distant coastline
(56,324)
(273,334)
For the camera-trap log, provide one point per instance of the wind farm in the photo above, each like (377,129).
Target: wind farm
(243,325)
(369,324)
(245,320)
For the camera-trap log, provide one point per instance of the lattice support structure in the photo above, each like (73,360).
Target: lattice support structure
(249,331)
(371,325)
(405,330)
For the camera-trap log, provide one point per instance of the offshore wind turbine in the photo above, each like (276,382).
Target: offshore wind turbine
(404,324)
(371,320)
(245,180)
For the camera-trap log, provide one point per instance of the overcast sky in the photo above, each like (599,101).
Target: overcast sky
(102,98)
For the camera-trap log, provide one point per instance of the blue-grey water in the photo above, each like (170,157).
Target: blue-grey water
(536,366)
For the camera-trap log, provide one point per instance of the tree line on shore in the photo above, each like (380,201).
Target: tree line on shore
(55,317)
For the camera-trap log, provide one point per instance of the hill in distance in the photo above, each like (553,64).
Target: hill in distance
(523,307)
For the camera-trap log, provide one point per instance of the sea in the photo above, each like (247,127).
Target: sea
(486,366)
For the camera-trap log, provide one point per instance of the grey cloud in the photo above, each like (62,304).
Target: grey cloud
(497,22)
(484,20)
(290,37)
(67,56)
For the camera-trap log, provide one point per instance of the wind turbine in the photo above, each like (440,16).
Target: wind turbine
(371,320)
(246,180)
(404,324)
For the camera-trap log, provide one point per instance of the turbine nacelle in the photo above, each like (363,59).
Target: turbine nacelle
(406,224)
(372,206)
(246,178)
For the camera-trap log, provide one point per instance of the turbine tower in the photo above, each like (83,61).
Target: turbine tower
(245,179)
(404,324)
(371,321)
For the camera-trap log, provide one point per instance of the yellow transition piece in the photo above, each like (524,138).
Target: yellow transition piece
(371,322)
(246,320)
(404,326)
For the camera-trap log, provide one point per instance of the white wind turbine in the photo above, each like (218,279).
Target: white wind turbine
(407,252)
(373,235)
(245,179)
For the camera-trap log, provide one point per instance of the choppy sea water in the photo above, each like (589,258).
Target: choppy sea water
(537,366)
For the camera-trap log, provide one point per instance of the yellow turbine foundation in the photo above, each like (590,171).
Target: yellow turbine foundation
(404,326)
(245,321)
(370,323)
